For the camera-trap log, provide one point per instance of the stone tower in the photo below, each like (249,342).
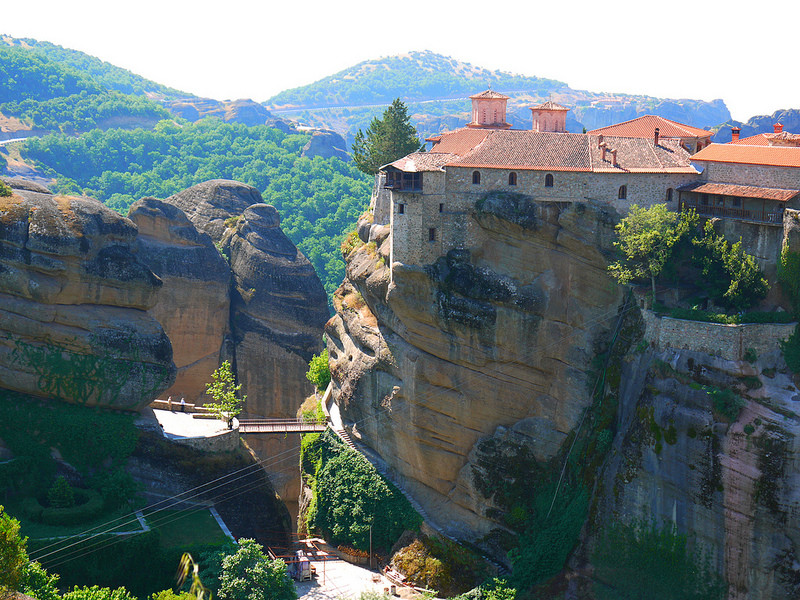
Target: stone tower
(550,117)
(489,110)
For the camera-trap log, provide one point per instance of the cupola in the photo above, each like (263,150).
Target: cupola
(550,117)
(489,110)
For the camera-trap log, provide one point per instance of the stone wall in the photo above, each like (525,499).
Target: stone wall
(449,198)
(729,342)
(759,175)
(227,441)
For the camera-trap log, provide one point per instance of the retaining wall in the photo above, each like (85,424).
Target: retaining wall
(729,342)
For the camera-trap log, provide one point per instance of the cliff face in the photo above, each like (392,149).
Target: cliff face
(500,334)
(468,375)
(277,303)
(73,302)
(193,303)
(729,480)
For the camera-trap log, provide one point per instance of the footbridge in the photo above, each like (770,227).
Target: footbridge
(281,426)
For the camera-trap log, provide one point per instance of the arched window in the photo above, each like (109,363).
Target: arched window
(476,177)
(669,194)
(623,192)
(548,180)
(512,178)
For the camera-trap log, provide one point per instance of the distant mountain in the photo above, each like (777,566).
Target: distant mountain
(789,118)
(436,88)
(103,74)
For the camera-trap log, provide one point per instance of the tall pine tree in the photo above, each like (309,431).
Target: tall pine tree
(386,139)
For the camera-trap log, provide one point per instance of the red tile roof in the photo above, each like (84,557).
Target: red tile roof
(489,94)
(549,105)
(779,156)
(423,161)
(766,139)
(645,126)
(742,191)
(534,150)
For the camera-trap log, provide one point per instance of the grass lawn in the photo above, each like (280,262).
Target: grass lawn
(186,527)
(121,519)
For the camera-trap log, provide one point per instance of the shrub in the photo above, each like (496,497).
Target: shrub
(642,561)
(5,191)
(319,372)
(726,403)
(97,593)
(791,351)
(60,495)
(89,505)
(250,575)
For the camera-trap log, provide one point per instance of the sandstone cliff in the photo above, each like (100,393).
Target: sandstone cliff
(73,302)
(194,302)
(500,334)
(477,377)
(277,303)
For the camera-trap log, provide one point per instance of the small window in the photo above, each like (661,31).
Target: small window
(548,180)
(441,207)
(432,234)
(720,200)
(622,194)
(512,178)
(737,202)
(476,177)
(401,209)
(669,194)
(704,199)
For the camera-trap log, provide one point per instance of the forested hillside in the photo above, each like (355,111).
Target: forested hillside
(50,94)
(318,199)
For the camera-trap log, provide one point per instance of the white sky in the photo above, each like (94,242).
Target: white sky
(744,53)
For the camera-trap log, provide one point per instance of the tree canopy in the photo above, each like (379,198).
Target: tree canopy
(646,238)
(319,372)
(386,139)
(249,574)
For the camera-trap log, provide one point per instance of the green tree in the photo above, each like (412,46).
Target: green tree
(4,189)
(730,276)
(386,139)
(13,558)
(249,574)
(224,391)
(646,238)
(319,372)
(60,494)
(96,592)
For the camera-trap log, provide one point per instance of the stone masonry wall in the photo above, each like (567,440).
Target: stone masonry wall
(759,175)
(729,342)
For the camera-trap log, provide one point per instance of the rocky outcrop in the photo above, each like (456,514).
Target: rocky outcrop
(73,302)
(194,302)
(327,144)
(246,112)
(278,305)
(499,334)
(728,480)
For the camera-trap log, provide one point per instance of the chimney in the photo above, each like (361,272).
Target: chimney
(778,127)
(603,151)
(614,157)
(735,131)
(655,137)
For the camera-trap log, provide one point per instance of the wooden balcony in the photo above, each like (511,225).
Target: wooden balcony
(771,217)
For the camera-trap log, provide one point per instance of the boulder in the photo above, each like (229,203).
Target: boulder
(73,304)
(193,303)
(327,144)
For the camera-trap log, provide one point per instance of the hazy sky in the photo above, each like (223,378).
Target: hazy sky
(741,52)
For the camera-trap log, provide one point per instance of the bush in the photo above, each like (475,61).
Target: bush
(726,403)
(349,494)
(791,351)
(97,593)
(319,372)
(645,562)
(249,574)
(88,505)
(5,191)
(60,495)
